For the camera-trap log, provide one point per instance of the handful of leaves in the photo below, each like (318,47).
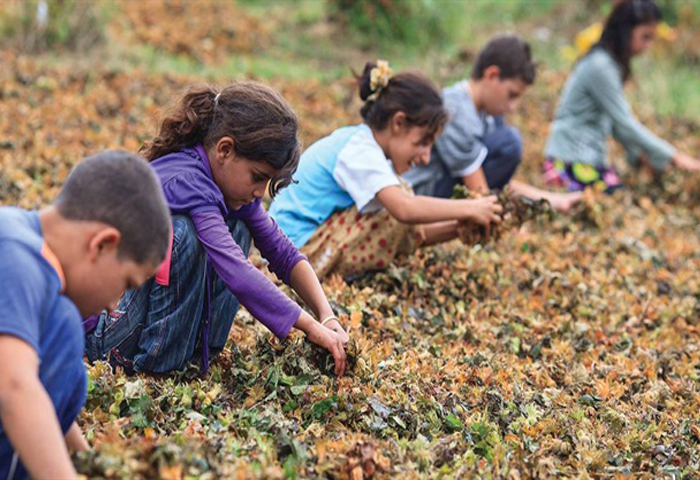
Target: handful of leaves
(516,211)
(324,360)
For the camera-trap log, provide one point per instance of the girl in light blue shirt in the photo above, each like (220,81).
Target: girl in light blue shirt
(349,212)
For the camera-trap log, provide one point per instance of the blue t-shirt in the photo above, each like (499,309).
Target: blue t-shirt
(33,309)
(347,167)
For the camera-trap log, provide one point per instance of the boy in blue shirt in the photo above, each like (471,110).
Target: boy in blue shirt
(107,231)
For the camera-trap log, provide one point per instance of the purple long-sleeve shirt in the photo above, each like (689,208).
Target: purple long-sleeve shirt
(189,189)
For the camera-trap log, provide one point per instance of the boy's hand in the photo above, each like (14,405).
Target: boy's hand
(75,440)
(28,415)
(485,210)
(563,202)
(325,338)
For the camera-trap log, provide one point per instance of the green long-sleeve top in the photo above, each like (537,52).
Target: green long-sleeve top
(592,107)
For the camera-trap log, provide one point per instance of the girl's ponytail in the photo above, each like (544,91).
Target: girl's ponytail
(363,81)
(184,124)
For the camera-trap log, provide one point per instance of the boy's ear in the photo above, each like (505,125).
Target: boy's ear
(225,150)
(492,72)
(105,240)
(398,122)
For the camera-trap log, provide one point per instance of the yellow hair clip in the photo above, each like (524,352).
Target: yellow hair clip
(379,78)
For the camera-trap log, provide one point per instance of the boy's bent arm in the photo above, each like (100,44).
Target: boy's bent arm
(75,440)
(561,202)
(27,414)
(476,182)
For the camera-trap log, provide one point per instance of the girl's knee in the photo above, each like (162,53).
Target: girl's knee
(186,246)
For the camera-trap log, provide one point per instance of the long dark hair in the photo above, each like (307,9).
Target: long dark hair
(409,92)
(263,125)
(617,34)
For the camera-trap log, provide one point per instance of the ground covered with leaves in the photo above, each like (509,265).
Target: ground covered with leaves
(567,347)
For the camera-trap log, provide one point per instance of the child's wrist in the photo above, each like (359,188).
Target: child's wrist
(305,322)
(326,319)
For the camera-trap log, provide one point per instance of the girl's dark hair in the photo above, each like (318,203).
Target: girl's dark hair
(617,33)
(409,92)
(262,124)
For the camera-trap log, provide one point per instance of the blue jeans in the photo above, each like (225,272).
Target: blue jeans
(505,150)
(157,329)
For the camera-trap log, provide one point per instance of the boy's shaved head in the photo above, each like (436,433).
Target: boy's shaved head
(120,190)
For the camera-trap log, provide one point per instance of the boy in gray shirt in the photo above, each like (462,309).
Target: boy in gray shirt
(476,147)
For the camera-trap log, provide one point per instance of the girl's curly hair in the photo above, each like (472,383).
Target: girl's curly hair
(263,125)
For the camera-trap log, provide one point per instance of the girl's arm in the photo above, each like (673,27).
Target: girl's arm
(251,287)
(440,232)
(607,90)
(305,282)
(421,209)
(685,162)
(27,414)
(287,263)
(255,291)
(269,238)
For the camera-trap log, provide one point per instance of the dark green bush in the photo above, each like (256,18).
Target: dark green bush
(417,23)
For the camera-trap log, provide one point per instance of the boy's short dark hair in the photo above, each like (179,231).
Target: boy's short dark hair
(120,190)
(511,54)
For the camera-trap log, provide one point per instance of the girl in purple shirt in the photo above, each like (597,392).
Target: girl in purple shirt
(216,153)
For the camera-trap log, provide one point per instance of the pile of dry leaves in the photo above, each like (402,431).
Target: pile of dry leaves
(566,347)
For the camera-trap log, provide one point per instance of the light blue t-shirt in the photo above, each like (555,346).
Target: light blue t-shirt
(347,167)
(33,309)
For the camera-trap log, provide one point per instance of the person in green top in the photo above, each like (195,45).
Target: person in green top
(593,106)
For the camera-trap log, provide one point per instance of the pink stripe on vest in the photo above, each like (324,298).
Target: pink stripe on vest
(163,275)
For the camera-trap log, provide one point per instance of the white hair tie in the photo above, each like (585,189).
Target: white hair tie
(216,100)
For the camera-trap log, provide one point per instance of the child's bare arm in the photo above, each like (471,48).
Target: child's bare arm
(306,284)
(420,209)
(476,182)
(440,232)
(75,440)
(561,202)
(685,162)
(27,414)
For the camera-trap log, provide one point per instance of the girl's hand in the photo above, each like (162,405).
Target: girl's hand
(325,338)
(485,210)
(338,329)
(328,339)
(686,162)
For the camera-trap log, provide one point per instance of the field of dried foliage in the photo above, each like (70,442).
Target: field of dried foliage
(568,348)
